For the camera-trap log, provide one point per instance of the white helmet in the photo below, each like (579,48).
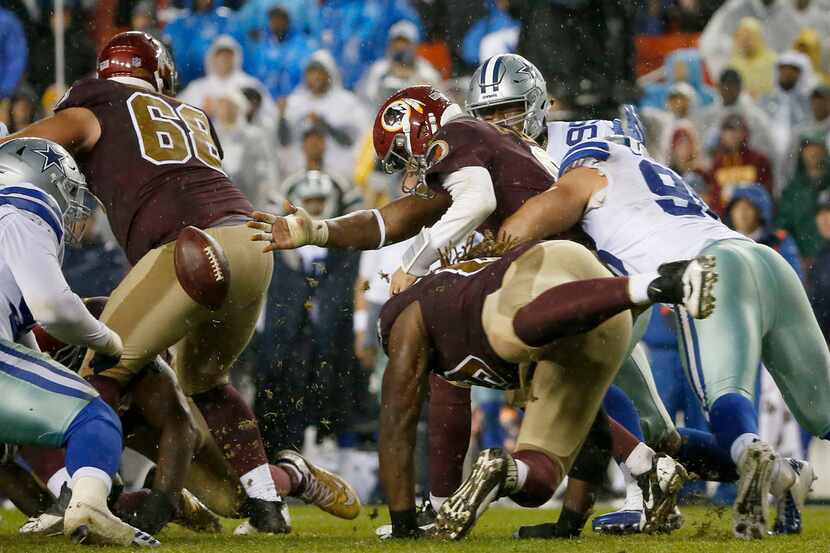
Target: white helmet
(508,79)
(48,166)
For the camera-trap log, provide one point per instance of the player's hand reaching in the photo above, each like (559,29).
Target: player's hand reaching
(293,230)
(107,356)
(401,281)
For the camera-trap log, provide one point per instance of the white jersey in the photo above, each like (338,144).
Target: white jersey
(32,286)
(564,135)
(646,215)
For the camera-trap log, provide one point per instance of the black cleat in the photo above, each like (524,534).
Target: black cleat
(265,517)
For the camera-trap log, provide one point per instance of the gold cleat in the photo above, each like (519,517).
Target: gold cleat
(194,515)
(329,492)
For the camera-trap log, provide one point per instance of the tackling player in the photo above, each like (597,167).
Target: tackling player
(544,318)
(641,214)
(156,165)
(42,206)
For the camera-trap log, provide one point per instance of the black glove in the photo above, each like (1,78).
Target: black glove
(101,362)
(152,515)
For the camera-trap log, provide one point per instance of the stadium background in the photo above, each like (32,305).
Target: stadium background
(735,96)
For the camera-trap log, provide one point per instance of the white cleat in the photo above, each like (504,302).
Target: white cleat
(87,518)
(688,283)
(46,524)
(493,471)
(751,514)
(660,487)
(84,523)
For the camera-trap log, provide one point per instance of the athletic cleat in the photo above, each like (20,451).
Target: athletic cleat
(424,517)
(50,522)
(329,492)
(789,505)
(751,506)
(660,487)
(85,523)
(620,522)
(493,472)
(673,522)
(264,517)
(194,515)
(688,283)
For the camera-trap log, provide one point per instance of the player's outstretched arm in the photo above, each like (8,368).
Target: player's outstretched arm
(76,129)
(31,257)
(403,392)
(556,210)
(367,229)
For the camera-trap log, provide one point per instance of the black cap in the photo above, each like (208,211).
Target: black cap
(823,201)
(730,76)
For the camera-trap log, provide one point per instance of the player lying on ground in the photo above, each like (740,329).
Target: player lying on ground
(42,200)
(641,214)
(156,165)
(545,319)
(154,396)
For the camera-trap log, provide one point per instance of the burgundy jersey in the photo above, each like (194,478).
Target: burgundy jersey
(157,167)
(520,169)
(452,301)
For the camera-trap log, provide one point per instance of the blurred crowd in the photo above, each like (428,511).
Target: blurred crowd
(742,112)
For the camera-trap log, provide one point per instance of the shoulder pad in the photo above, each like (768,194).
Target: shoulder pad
(597,149)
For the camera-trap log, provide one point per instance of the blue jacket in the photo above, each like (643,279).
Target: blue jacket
(777,239)
(279,65)
(304,15)
(355,32)
(190,36)
(655,95)
(13,53)
(495,20)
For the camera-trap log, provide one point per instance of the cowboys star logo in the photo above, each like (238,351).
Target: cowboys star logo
(51,158)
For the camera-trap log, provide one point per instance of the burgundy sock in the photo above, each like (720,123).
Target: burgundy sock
(286,481)
(234,427)
(623,442)
(571,308)
(450,420)
(543,477)
(44,461)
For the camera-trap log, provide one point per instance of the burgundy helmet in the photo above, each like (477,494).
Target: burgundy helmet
(404,127)
(141,56)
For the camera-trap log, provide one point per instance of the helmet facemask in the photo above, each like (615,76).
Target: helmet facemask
(80,203)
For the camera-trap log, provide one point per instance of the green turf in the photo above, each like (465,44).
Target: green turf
(706,530)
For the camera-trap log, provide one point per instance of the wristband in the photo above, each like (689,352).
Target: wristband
(404,524)
(360,322)
(381,228)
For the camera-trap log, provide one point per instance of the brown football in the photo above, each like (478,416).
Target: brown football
(202,268)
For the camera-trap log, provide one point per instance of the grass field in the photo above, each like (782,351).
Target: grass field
(706,530)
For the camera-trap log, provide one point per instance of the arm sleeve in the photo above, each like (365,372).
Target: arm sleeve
(31,255)
(473,200)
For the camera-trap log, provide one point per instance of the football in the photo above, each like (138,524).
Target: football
(202,268)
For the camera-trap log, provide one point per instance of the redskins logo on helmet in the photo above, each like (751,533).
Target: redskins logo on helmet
(404,127)
(396,115)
